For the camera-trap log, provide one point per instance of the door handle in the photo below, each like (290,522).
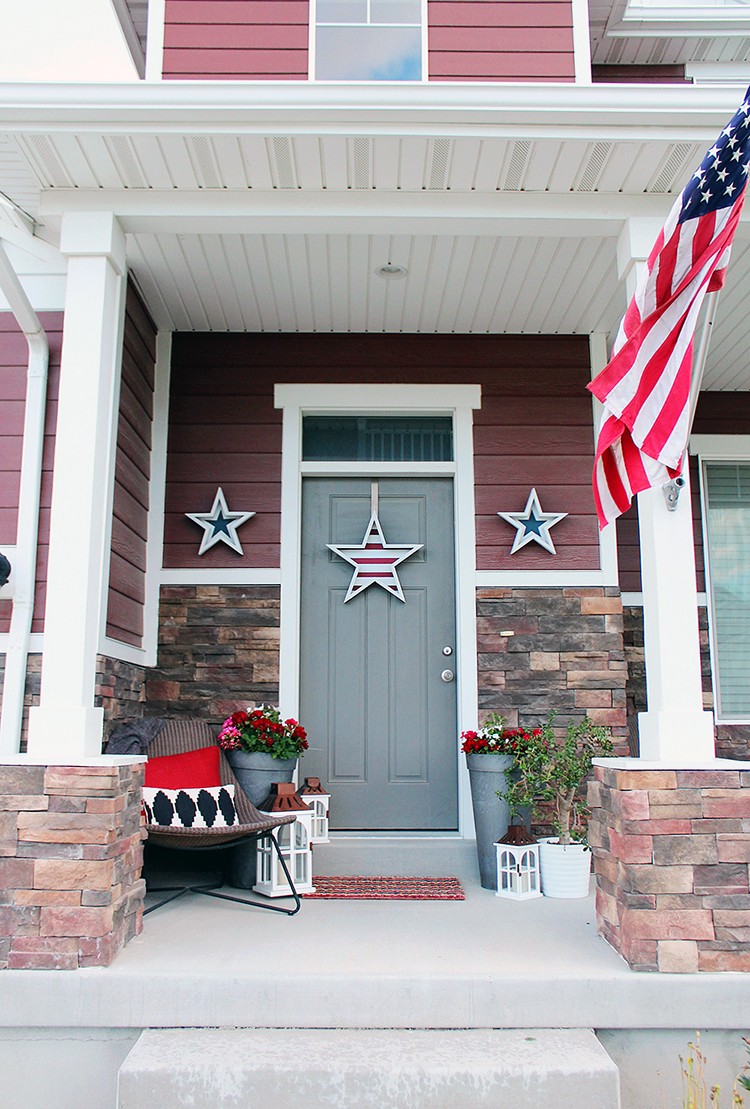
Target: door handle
(447,675)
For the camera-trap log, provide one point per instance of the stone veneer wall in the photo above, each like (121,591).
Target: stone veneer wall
(218,650)
(732,740)
(671,853)
(565,654)
(71,894)
(120,688)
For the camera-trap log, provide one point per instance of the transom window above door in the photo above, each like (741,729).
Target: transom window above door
(368,40)
(377,439)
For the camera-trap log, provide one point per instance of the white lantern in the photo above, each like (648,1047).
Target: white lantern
(319,801)
(518,873)
(294,844)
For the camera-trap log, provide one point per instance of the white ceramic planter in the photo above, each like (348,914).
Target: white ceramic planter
(565,869)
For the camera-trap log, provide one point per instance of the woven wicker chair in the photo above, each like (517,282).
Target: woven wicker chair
(177,737)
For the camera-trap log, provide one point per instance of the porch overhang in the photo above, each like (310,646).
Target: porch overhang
(269,206)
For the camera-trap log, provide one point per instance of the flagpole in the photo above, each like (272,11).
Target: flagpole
(699,361)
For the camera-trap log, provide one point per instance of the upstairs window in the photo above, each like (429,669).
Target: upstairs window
(368,40)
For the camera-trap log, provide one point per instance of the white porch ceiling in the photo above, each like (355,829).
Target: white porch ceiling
(455,283)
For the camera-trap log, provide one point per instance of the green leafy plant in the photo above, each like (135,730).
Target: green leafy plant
(549,771)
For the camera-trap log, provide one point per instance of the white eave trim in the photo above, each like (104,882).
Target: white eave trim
(249,107)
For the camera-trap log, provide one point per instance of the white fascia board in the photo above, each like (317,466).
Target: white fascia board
(720,447)
(250,107)
(705,20)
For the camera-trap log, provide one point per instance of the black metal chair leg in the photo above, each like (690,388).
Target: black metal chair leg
(174,893)
(212,890)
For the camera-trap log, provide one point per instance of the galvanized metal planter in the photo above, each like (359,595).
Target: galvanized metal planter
(491,814)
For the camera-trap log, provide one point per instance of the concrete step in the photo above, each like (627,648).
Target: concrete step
(360,1069)
(407,856)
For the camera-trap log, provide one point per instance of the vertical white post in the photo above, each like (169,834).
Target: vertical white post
(66,725)
(675,728)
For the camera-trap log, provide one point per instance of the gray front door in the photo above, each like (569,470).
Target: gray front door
(380,716)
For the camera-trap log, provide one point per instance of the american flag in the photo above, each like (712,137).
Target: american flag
(645,388)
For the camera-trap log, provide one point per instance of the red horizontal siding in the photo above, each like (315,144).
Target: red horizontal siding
(639,75)
(237,12)
(533,429)
(491,13)
(505,40)
(236,40)
(501,67)
(127,572)
(496,40)
(277,37)
(14,356)
(246,65)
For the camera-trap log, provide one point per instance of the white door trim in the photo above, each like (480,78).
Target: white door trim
(455,400)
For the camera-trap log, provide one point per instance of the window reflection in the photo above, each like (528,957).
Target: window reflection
(369,40)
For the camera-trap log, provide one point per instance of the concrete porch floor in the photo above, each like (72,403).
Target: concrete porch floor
(480,963)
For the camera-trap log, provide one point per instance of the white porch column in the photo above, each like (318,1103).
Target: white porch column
(675,729)
(66,726)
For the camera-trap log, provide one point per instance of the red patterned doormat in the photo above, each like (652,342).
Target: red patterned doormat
(385,889)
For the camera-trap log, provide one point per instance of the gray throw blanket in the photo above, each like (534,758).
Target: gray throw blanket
(133,737)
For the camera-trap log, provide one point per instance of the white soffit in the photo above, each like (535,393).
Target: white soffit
(339,163)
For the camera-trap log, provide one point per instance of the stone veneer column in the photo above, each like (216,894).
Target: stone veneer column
(71,893)
(671,853)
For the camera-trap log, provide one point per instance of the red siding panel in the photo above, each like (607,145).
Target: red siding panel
(504,40)
(236,40)
(533,429)
(245,65)
(127,574)
(13,361)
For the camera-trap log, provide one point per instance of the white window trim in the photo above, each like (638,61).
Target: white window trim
(716,448)
(312,44)
(456,400)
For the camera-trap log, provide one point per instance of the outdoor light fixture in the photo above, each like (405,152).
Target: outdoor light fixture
(319,801)
(294,844)
(5,569)
(518,870)
(672,490)
(391,272)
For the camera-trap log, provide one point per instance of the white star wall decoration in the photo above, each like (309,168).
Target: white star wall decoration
(375,561)
(533,524)
(219,525)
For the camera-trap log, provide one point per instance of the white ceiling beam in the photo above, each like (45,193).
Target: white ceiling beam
(348,212)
